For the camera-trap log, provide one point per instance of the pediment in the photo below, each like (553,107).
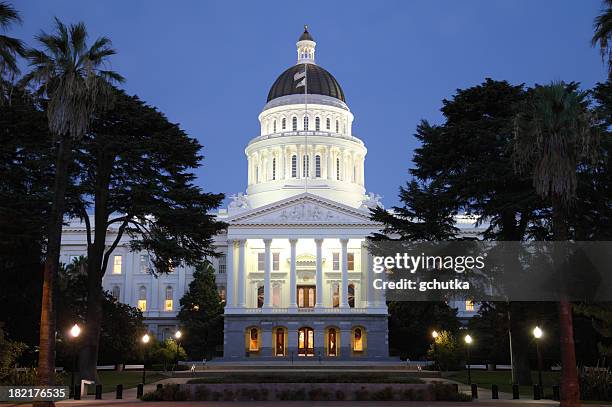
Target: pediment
(303,209)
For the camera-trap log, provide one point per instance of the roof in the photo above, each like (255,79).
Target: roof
(320,82)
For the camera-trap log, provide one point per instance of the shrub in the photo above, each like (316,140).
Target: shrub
(384,394)
(152,396)
(596,384)
(228,395)
(362,394)
(340,395)
(201,393)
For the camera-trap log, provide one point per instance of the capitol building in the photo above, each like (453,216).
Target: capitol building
(295,269)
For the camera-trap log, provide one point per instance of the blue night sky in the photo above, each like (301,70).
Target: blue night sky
(209,65)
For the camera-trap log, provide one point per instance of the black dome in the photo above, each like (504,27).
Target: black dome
(320,82)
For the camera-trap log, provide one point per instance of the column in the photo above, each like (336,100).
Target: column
(344,285)
(241,272)
(229,295)
(268,269)
(319,275)
(281,164)
(292,277)
(331,169)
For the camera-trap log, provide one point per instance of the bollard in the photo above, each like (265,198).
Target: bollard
(119,391)
(160,387)
(494,392)
(556,392)
(536,392)
(77,392)
(474,391)
(98,392)
(515,391)
(139,390)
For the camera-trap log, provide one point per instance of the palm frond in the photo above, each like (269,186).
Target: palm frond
(8,15)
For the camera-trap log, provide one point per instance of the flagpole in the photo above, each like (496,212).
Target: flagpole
(305,130)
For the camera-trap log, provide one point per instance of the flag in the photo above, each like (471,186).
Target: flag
(301,77)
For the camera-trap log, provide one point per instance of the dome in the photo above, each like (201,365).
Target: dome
(320,82)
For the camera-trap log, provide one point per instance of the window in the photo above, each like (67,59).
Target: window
(332,343)
(275,261)
(117,262)
(222,264)
(294,123)
(276,296)
(350,257)
(306,296)
(327,123)
(168,303)
(305,169)
(335,295)
(144,263)
(358,340)
(142,299)
(305,122)
(261,261)
(294,166)
(284,123)
(317,123)
(274,126)
(116,292)
(336,261)
(317,166)
(260,296)
(337,126)
(280,342)
(253,340)
(469,305)
(338,169)
(305,342)
(273,169)
(351,295)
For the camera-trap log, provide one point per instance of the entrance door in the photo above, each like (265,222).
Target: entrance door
(280,342)
(306,342)
(306,295)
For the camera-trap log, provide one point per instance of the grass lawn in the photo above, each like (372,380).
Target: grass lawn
(312,377)
(503,379)
(110,379)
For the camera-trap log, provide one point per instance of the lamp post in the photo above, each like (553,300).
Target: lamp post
(75,331)
(434,335)
(537,334)
(468,342)
(177,336)
(145,340)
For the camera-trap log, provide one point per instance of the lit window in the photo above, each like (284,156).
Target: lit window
(317,166)
(351,295)
(358,340)
(222,293)
(328,123)
(116,292)
(338,169)
(273,169)
(335,261)
(142,299)
(335,295)
(305,169)
(260,296)
(117,261)
(144,263)
(276,261)
(350,261)
(305,122)
(294,166)
(332,343)
(284,123)
(261,261)
(469,305)
(317,123)
(276,296)
(168,303)
(253,340)
(274,127)
(294,123)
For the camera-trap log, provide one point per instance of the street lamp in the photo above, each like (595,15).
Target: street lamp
(434,335)
(75,331)
(537,334)
(145,339)
(468,342)
(177,336)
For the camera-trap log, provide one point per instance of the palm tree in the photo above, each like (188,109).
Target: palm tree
(10,47)
(553,135)
(603,34)
(72,78)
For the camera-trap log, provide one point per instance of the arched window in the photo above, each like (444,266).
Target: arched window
(116,292)
(168,303)
(284,123)
(337,126)
(294,123)
(142,298)
(305,169)
(358,340)
(294,166)
(317,166)
(332,342)
(351,295)
(305,122)
(279,342)
(328,123)
(260,296)
(338,169)
(273,168)
(274,126)
(317,123)
(253,340)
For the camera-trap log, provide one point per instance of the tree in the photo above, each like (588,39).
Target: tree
(136,175)
(9,354)
(201,314)
(602,36)
(446,351)
(554,134)
(71,76)
(10,48)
